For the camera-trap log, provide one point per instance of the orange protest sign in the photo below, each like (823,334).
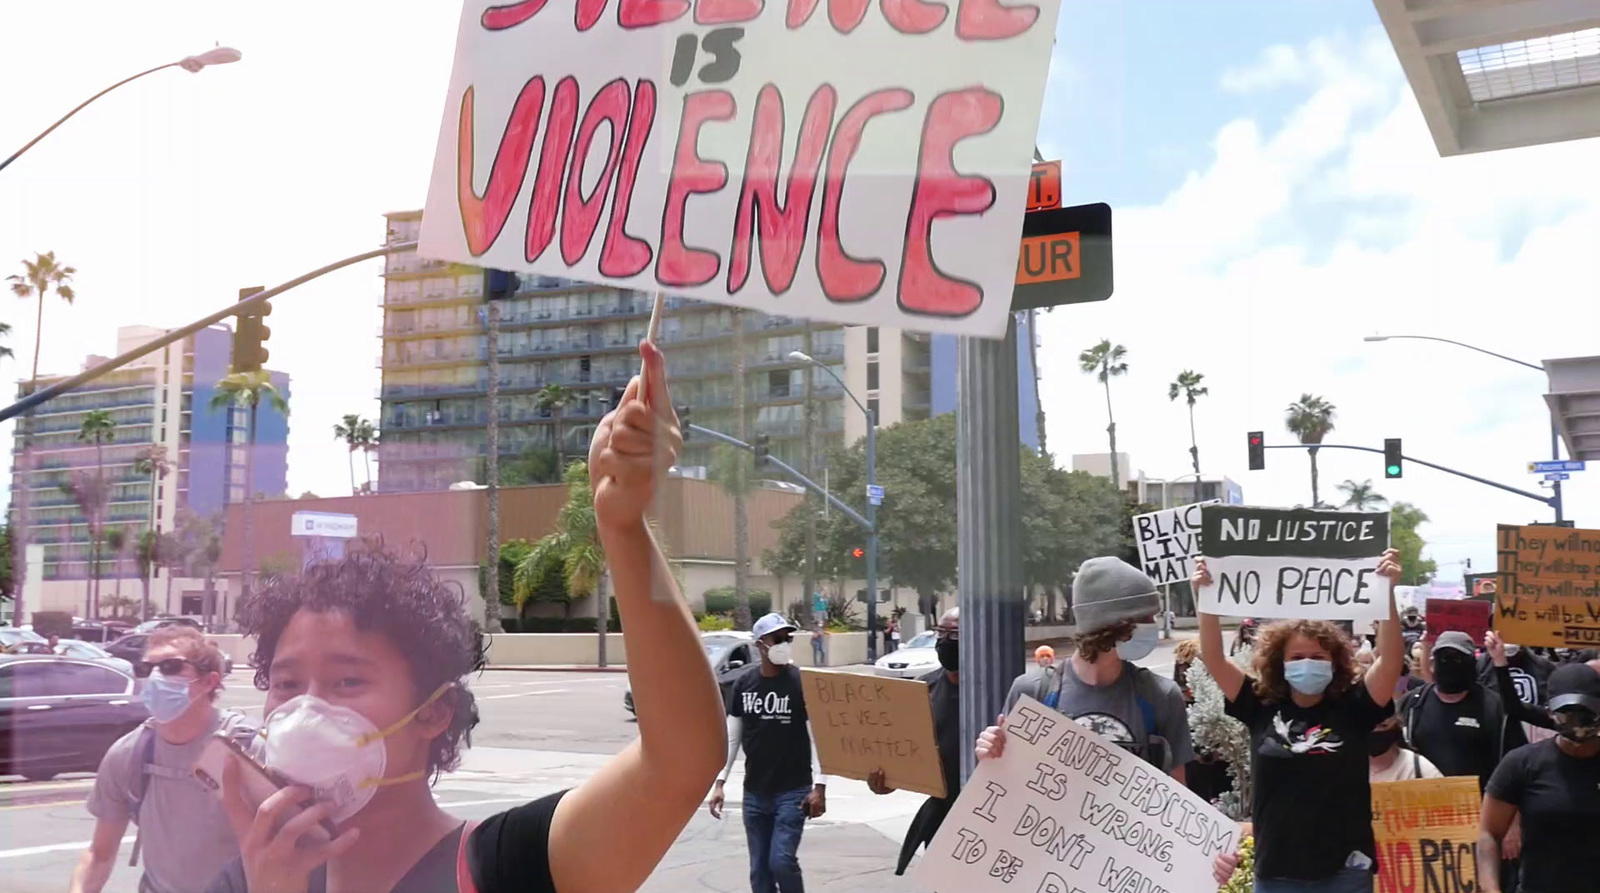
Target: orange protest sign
(1426,831)
(1549,589)
(1044,186)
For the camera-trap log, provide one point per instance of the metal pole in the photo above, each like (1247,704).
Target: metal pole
(988,524)
(872,538)
(1555,486)
(48,130)
(1462,474)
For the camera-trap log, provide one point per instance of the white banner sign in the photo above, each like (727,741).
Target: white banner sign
(1066,810)
(323,524)
(1295,563)
(1168,539)
(850,161)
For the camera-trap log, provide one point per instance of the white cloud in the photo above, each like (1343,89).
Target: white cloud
(1264,271)
(1279,66)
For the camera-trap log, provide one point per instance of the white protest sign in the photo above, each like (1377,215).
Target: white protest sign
(1295,563)
(850,161)
(1063,810)
(1167,540)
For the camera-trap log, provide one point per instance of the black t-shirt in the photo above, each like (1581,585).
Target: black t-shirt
(508,853)
(1530,675)
(945,698)
(1309,755)
(777,745)
(1465,738)
(1559,799)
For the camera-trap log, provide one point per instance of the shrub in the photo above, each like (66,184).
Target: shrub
(724,599)
(710,623)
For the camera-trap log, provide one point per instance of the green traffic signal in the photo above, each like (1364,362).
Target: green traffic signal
(1394,471)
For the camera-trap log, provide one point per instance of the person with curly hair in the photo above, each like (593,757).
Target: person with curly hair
(1310,716)
(364,661)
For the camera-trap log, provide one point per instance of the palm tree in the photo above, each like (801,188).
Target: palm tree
(367,439)
(92,495)
(1361,496)
(97,428)
(248,389)
(117,540)
(1105,362)
(39,277)
(574,546)
(1188,385)
(741,486)
(350,430)
(5,332)
(147,556)
(1311,419)
(152,460)
(553,398)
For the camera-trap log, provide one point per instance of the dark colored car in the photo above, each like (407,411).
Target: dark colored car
(60,714)
(97,632)
(729,653)
(131,649)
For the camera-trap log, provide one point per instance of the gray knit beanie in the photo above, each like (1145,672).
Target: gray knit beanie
(1107,591)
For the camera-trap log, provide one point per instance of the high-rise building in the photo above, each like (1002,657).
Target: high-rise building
(160,400)
(581,341)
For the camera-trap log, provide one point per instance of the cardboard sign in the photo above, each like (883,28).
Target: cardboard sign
(1427,834)
(1549,588)
(865,723)
(1296,563)
(855,162)
(1167,540)
(1065,809)
(1470,617)
(1044,186)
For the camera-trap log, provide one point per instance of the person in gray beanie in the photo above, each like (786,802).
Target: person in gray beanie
(1098,684)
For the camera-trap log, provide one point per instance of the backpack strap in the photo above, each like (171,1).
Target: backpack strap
(1143,680)
(144,757)
(464,882)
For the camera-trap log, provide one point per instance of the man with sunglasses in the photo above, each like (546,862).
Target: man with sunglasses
(783,782)
(147,777)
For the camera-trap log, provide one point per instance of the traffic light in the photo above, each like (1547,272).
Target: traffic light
(249,339)
(763,445)
(684,412)
(858,553)
(1258,451)
(499,285)
(1391,458)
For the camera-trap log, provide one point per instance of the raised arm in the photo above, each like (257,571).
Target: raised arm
(653,787)
(1227,673)
(1507,688)
(1390,661)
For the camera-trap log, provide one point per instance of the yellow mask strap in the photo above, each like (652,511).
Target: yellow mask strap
(386,782)
(401,723)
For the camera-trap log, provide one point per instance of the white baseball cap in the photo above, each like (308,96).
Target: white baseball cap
(770,624)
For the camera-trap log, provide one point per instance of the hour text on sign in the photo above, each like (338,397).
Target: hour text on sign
(1064,257)
(1044,186)
(1048,259)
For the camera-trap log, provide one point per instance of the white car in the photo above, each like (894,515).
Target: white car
(913,660)
(91,651)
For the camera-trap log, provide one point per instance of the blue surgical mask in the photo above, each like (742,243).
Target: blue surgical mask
(1145,638)
(1308,677)
(166,699)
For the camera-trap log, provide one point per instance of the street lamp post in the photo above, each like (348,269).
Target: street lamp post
(1555,430)
(217,56)
(872,508)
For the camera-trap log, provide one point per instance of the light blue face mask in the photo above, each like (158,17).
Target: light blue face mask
(1145,638)
(166,699)
(1308,677)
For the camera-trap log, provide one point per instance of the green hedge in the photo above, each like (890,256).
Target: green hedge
(723,599)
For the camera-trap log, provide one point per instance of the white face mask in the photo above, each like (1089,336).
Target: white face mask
(780,654)
(335,751)
(1513,650)
(1145,638)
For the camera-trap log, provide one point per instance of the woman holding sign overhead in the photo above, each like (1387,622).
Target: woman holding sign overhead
(1310,717)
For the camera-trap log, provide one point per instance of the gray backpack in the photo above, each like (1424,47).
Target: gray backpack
(234,724)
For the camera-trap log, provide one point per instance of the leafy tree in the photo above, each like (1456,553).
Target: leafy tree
(1311,419)
(248,389)
(1361,496)
(1188,386)
(5,563)
(5,332)
(536,465)
(1404,519)
(1105,362)
(574,545)
(1067,518)
(152,460)
(98,428)
(118,540)
(554,399)
(92,496)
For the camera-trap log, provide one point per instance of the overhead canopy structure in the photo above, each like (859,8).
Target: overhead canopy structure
(1499,74)
(1574,401)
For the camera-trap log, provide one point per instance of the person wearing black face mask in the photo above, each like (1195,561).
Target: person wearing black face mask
(944,693)
(1458,724)
(1553,787)
(1388,761)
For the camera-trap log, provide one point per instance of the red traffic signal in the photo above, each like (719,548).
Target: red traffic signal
(858,552)
(1258,451)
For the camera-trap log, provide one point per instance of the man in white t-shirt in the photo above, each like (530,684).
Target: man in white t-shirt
(1388,761)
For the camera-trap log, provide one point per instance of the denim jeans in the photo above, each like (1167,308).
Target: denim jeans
(1347,880)
(772,826)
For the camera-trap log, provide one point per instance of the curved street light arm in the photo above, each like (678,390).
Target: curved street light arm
(1500,356)
(842,386)
(80,108)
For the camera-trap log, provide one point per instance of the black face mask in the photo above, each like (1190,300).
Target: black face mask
(949,651)
(1453,676)
(1577,725)
(1378,743)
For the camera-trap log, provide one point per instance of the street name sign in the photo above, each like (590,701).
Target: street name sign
(1556,476)
(1556,465)
(875,494)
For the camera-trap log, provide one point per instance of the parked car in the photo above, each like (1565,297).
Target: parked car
(19,640)
(92,652)
(913,660)
(729,653)
(131,649)
(61,714)
(96,631)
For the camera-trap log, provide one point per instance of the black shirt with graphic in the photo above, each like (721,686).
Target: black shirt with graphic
(1558,796)
(509,852)
(1466,738)
(1530,675)
(776,743)
(1309,755)
(944,697)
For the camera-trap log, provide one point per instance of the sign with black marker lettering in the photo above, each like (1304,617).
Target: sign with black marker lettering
(1063,810)
(1295,563)
(856,162)
(1168,540)
(1427,835)
(1548,592)
(865,723)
